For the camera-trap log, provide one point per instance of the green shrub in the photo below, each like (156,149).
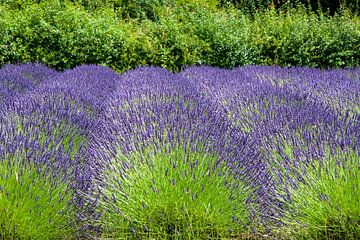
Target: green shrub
(168,44)
(329,7)
(63,35)
(63,38)
(227,37)
(296,39)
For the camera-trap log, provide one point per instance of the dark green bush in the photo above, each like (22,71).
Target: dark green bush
(315,41)
(87,4)
(227,36)
(326,6)
(64,35)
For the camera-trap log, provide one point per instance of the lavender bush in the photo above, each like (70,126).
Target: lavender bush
(42,169)
(40,174)
(18,79)
(205,153)
(171,154)
(304,125)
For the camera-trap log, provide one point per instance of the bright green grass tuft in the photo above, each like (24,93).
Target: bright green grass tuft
(172,194)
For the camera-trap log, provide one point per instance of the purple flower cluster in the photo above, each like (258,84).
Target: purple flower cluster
(270,102)
(242,115)
(44,125)
(17,79)
(308,109)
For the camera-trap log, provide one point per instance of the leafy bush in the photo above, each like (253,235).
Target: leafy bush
(65,35)
(330,7)
(65,38)
(316,42)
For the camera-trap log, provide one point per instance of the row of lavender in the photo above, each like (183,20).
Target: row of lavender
(203,153)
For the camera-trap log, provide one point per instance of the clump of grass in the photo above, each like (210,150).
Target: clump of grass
(325,204)
(172,194)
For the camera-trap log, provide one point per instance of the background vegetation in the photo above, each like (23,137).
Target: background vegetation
(124,34)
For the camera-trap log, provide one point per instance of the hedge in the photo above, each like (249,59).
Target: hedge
(63,35)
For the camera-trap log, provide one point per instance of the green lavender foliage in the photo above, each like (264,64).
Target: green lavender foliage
(325,203)
(36,196)
(31,205)
(176,194)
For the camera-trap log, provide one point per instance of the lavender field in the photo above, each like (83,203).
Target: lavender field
(207,153)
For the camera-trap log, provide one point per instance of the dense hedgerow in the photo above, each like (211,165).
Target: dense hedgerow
(330,7)
(206,152)
(63,35)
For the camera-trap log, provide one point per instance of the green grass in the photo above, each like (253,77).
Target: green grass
(172,194)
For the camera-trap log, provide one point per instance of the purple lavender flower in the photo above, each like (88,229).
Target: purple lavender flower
(266,125)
